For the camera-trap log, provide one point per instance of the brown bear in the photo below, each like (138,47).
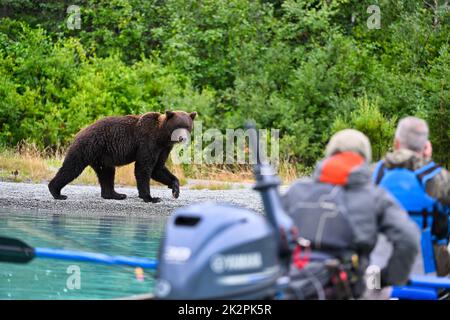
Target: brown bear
(115,141)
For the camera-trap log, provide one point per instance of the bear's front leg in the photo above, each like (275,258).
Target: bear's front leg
(164,176)
(175,189)
(142,174)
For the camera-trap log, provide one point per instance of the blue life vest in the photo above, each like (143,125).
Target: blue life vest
(409,188)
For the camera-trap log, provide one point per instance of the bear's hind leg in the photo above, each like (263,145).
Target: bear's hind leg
(105,176)
(72,167)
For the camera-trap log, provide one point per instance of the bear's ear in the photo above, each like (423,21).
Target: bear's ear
(169,114)
(192,115)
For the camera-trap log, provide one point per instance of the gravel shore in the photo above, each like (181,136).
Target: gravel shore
(86,200)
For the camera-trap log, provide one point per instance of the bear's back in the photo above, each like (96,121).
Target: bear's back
(114,136)
(108,125)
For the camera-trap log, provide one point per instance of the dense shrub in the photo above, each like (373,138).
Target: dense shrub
(368,119)
(307,68)
(49,92)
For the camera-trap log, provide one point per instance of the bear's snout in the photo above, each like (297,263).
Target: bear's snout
(180,135)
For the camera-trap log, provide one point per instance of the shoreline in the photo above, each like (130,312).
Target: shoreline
(85,200)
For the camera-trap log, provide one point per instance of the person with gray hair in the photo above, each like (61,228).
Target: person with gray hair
(340,213)
(413,151)
(412,134)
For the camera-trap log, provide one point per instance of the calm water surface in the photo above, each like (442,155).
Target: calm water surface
(48,279)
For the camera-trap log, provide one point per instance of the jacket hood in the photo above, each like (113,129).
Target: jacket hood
(403,158)
(346,169)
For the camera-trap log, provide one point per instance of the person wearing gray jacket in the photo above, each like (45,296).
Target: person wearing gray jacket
(339,211)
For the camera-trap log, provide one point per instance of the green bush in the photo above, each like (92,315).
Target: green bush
(437,87)
(304,67)
(51,91)
(368,119)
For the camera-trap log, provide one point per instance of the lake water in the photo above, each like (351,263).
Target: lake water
(48,279)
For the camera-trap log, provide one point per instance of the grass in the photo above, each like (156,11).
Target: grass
(27,163)
(23,167)
(212,186)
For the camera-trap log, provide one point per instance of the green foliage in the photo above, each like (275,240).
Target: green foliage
(52,90)
(368,119)
(304,67)
(437,87)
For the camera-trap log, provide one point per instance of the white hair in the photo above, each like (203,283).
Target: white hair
(412,133)
(349,140)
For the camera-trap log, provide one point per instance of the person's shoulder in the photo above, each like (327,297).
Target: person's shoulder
(382,198)
(444,174)
(297,188)
(300,183)
(438,187)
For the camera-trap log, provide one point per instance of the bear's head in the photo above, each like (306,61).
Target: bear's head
(179,125)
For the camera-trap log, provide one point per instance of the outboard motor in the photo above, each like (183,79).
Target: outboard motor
(219,251)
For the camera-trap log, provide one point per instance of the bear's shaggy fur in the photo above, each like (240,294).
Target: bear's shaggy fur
(115,141)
